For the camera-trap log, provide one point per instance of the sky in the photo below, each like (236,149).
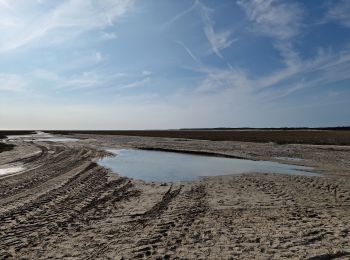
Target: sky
(161,64)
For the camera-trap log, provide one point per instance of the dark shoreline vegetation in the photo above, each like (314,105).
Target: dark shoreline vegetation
(316,136)
(6,147)
(4,133)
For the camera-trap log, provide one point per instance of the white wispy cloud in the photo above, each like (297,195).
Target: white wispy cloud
(219,40)
(93,80)
(77,15)
(189,52)
(325,68)
(339,11)
(179,15)
(218,80)
(84,80)
(136,84)
(109,36)
(281,21)
(274,18)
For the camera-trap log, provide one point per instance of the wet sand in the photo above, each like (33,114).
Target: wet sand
(66,206)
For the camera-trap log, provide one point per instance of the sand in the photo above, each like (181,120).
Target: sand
(64,205)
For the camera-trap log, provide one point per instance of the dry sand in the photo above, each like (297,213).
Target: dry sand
(66,206)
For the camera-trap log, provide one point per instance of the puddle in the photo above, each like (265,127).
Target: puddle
(9,170)
(172,166)
(40,137)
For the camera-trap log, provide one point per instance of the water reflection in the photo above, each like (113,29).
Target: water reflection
(171,167)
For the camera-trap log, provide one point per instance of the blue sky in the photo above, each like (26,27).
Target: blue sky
(147,64)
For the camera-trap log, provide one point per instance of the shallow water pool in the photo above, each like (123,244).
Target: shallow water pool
(173,166)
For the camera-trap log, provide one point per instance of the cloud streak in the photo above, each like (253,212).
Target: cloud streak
(324,68)
(274,18)
(136,84)
(340,12)
(179,15)
(282,22)
(189,52)
(218,40)
(77,15)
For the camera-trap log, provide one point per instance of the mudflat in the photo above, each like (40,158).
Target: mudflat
(64,205)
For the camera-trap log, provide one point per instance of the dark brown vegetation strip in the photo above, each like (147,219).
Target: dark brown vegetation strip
(338,128)
(328,137)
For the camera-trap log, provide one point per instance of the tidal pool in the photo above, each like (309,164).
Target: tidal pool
(174,166)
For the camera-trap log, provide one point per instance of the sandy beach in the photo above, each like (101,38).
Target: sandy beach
(64,205)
